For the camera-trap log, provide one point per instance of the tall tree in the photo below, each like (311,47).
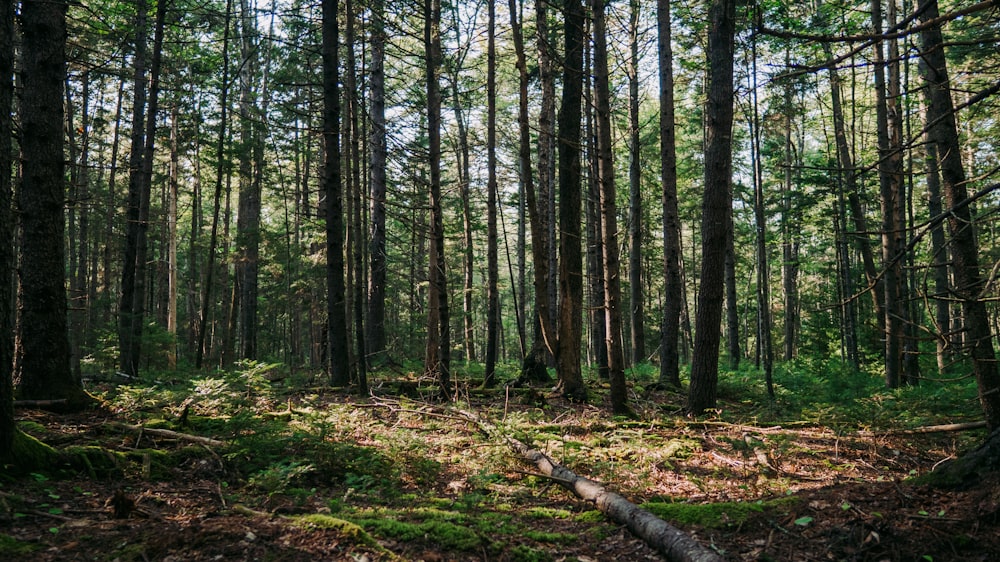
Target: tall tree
(609,216)
(890,187)
(339,363)
(251,174)
(492,240)
(672,298)
(42,363)
(140,186)
(534,366)
(547,177)
(7,426)
(969,281)
(375,327)
(357,227)
(437,358)
(220,173)
(716,206)
(636,303)
(570,252)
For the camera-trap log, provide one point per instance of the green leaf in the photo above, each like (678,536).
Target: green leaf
(803,521)
(54,530)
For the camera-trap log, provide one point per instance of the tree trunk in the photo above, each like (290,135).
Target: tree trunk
(375,328)
(220,172)
(596,319)
(890,188)
(638,309)
(357,227)
(251,174)
(547,179)
(7,425)
(42,364)
(492,239)
(533,367)
(764,343)
(965,250)
(570,255)
(849,176)
(126,311)
(437,358)
(172,239)
(716,206)
(609,217)
(339,364)
(673,289)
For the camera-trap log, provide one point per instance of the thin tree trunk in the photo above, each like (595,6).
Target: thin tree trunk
(716,206)
(172,239)
(492,239)
(126,309)
(7,425)
(437,358)
(673,287)
(547,178)
(609,217)
(570,255)
(638,309)
(965,251)
(544,338)
(220,172)
(596,318)
(764,343)
(357,228)
(375,328)
(890,180)
(249,203)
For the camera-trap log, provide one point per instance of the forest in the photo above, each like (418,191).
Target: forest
(440,279)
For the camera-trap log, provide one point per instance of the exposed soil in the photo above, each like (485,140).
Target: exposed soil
(850,500)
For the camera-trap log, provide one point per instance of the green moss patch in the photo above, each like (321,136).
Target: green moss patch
(11,547)
(712,515)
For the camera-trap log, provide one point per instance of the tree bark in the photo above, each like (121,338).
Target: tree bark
(339,364)
(890,188)
(492,239)
(534,364)
(570,254)
(636,297)
(764,343)
(357,226)
(220,172)
(375,327)
(965,250)
(716,206)
(609,217)
(547,141)
(673,289)
(438,350)
(7,425)
(42,363)
(251,177)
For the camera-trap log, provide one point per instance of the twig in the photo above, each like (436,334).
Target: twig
(172,434)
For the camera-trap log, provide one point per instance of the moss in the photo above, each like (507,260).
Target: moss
(97,461)
(447,536)
(30,454)
(11,547)
(547,513)
(591,516)
(523,553)
(713,515)
(554,538)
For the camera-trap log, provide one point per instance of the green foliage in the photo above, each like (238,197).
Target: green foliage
(279,477)
(11,548)
(441,534)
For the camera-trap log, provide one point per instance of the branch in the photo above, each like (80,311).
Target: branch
(171,434)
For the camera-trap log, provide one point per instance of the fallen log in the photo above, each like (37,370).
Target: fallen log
(40,403)
(172,434)
(670,541)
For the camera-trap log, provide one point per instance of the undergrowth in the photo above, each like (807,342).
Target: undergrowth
(401,471)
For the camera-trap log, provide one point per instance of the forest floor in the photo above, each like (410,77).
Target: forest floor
(313,473)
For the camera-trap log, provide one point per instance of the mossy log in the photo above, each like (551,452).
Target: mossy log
(29,454)
(674,544)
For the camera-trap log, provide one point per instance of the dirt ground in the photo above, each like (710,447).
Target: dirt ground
(852,503)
